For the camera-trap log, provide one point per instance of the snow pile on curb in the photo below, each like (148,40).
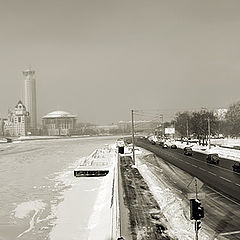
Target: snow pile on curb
(231,154)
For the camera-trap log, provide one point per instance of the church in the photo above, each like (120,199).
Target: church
(18,122)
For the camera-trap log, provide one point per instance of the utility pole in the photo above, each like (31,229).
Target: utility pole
(209,133)
(196,210)
(160,124)
(162,127)
(133,139)
(174,129)
(187,131)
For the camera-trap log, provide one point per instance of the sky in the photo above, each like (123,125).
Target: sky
(100,59)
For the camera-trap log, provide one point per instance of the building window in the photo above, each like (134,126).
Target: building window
(19,119)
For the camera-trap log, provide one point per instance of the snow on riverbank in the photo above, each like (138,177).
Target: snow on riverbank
(86,211)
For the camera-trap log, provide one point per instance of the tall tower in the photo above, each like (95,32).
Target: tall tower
(30,97)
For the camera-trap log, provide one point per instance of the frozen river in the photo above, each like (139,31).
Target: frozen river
(35,177)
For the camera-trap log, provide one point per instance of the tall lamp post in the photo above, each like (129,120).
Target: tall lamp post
(209,133)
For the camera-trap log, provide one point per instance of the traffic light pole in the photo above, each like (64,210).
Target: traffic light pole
(196,188)
(196,227)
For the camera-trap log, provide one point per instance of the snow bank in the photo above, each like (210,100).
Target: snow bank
(228,153)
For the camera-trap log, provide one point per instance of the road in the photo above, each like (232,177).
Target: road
(222,205)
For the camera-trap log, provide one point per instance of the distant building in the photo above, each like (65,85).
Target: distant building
(30,97)
(59,123)
(139,125)
(18,121)
(106,128)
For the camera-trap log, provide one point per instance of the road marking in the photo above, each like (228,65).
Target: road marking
(212,164)
(223,196)
(237,184)
(203,169)
(225,179)
(229,233)
(212,173)
(193,165)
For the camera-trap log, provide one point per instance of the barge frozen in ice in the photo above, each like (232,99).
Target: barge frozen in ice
(97,164)
(91,171)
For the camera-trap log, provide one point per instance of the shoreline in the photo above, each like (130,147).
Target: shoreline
(35,138)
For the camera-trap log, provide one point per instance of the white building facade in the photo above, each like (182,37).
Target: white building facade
(18,121)
(59,123)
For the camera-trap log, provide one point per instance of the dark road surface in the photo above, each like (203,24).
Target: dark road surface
(221,179)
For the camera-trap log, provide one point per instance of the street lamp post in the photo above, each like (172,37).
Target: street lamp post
(209,133)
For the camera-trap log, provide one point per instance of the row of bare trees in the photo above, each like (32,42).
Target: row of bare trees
(196,123)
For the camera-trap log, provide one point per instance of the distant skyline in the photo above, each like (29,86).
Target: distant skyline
(99,59)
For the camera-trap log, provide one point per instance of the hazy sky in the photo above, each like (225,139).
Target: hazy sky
(99,59)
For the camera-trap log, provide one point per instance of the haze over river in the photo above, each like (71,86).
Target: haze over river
(33,178)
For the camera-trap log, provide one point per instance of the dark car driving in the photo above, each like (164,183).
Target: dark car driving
(213,158)
(188,151)
(236,167)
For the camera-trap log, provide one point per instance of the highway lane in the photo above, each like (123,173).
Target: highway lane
(224,163)
(219,178)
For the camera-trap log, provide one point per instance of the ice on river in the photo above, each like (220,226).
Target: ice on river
(39,193)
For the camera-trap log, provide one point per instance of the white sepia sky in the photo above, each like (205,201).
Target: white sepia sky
(99,59)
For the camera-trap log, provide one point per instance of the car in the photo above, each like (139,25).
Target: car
(236,147)
(188,151)
(236,167)
(213,158)
(153,142)
(173,146)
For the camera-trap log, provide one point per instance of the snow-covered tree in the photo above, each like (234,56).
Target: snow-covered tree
(233,119)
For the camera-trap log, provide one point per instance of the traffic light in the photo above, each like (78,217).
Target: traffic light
(196,210)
